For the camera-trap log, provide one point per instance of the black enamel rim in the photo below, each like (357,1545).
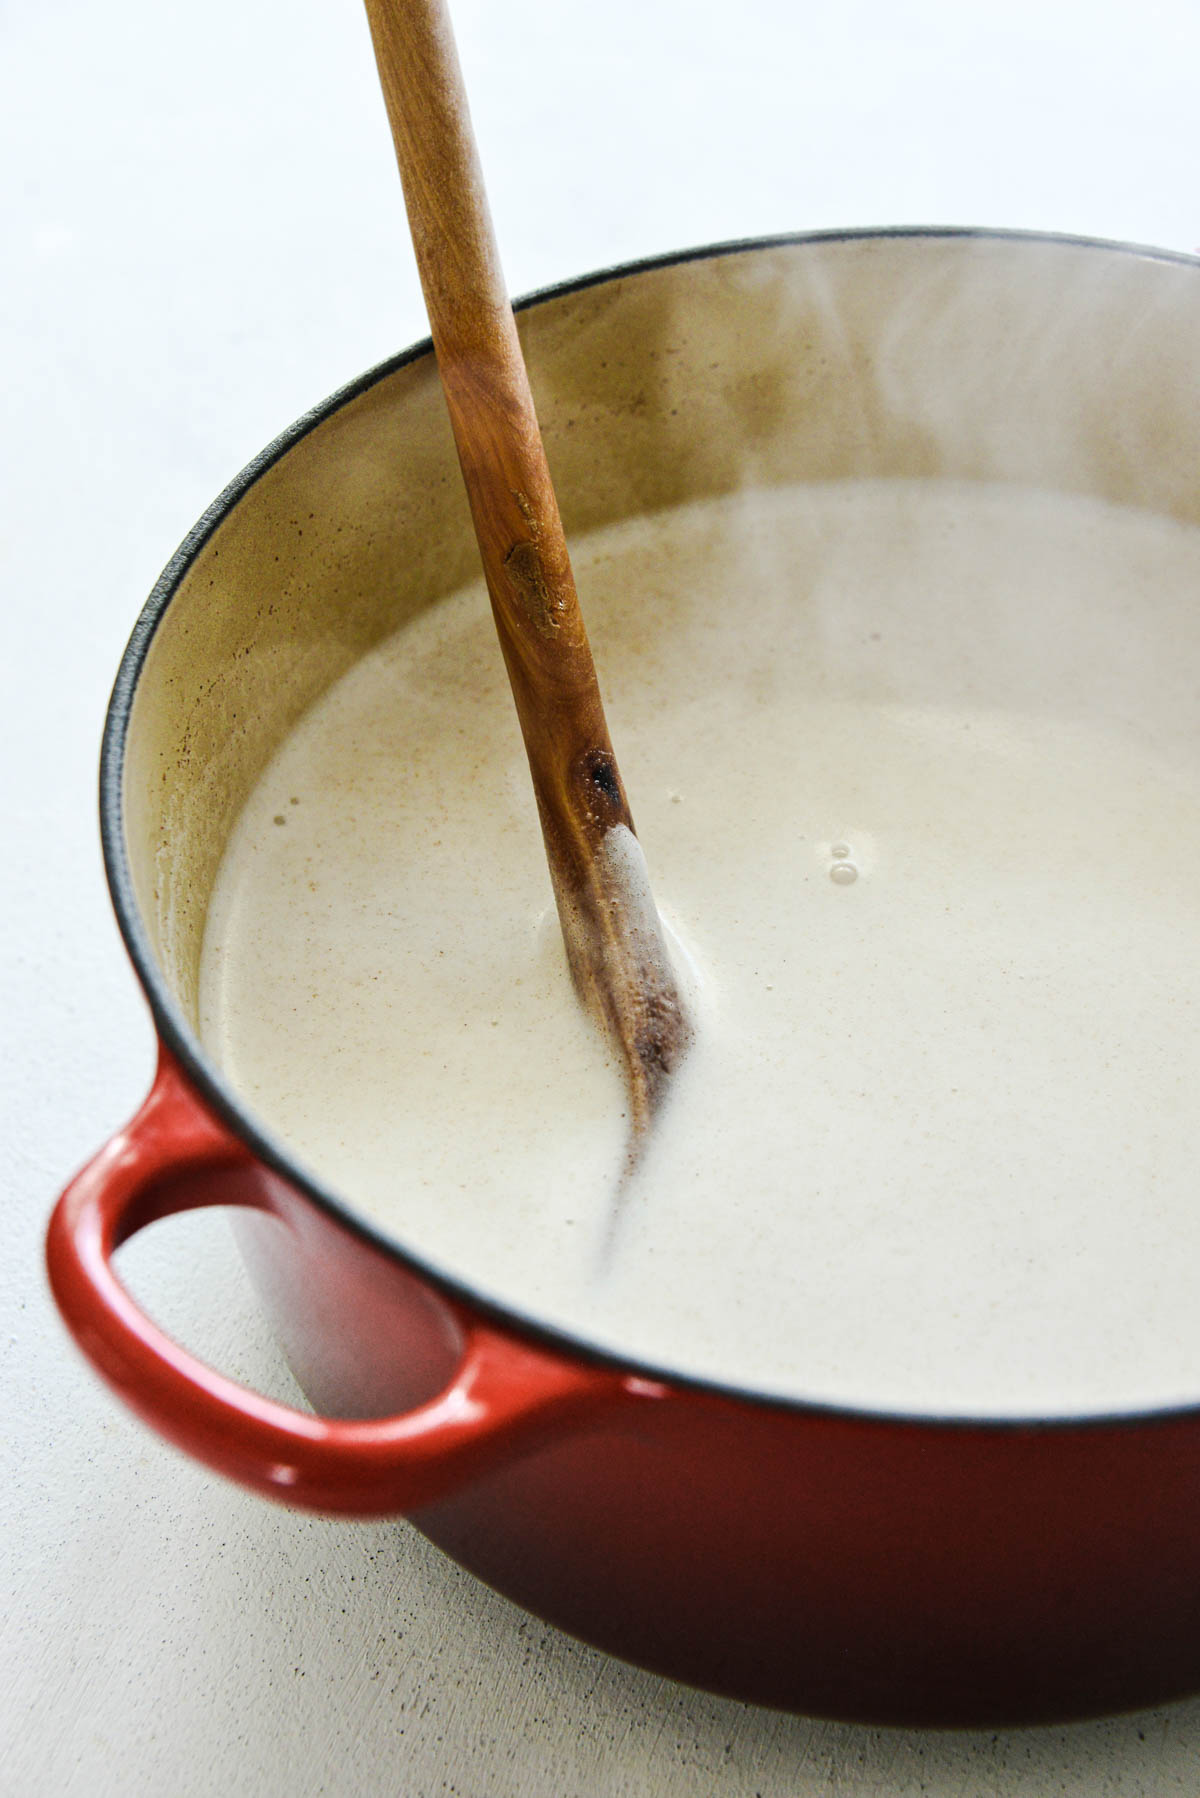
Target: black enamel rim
(177,1036)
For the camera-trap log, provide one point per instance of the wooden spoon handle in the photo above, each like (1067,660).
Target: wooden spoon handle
(496,432)
(610,926)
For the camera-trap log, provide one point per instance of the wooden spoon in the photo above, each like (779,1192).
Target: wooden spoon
(610,926)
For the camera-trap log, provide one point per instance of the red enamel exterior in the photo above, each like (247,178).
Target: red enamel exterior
(853,1566)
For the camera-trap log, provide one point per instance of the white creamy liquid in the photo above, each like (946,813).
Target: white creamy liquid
(916,767)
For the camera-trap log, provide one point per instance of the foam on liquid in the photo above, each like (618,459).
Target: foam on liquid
(916,767)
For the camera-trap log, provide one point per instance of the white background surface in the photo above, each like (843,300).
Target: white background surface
(202,236)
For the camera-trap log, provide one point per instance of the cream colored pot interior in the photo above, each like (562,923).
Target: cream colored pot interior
(1031,361)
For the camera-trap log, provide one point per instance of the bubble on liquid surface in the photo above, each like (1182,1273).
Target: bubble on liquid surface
(839,851)
(843,874)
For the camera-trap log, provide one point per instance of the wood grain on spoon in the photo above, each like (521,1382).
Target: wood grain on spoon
(610,925)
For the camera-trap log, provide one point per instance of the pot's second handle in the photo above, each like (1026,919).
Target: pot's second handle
(174,1156)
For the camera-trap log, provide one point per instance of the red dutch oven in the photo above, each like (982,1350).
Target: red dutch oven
(915,1568)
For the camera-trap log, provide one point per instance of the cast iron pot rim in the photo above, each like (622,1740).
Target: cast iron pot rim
(176,1034)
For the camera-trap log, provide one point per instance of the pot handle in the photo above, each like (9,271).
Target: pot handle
(175,1156)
